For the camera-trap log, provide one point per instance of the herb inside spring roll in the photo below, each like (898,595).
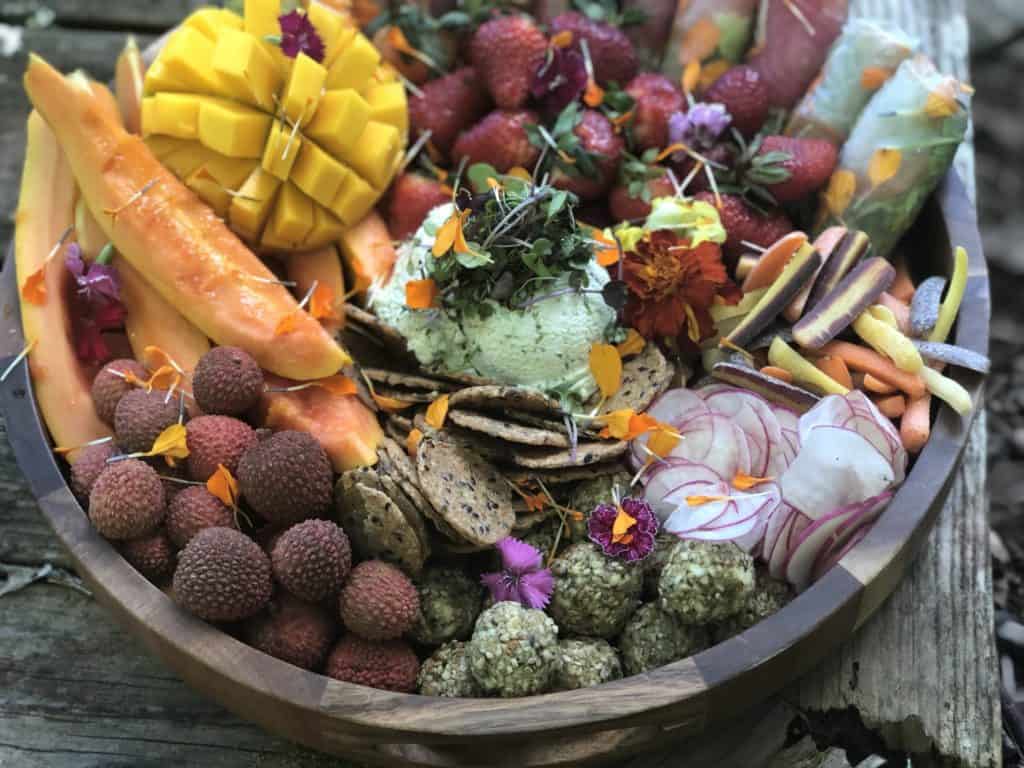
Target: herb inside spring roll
(899,149)
(708,36)
(864,57)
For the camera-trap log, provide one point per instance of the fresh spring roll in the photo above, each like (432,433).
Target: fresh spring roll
(899,149)
(714,33)
(864,57)
(650,35)
(793,39)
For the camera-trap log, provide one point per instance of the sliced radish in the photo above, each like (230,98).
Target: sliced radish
(786,524)
(680,478)
(741,518)
(677,408)
(836,466)
(755,417)
(715,441)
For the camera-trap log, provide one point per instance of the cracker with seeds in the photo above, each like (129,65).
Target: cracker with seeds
(563,476)
(509,431)
(376,525)
(644,378)
(586,454)
(403,380)
(502,398)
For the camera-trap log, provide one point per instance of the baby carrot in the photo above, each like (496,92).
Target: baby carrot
(778,373)
(892,406)
(903,286)
(835,368)
(863,359)
(900,309)
(915,425)
(878,387)
(772,261)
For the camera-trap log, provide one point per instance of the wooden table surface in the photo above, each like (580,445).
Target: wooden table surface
(77,692)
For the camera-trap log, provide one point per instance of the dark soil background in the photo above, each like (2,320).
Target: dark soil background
(998,75)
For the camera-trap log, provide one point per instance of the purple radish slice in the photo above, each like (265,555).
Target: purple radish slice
(924,307)
(936,351)
(846,255)
(755,417)
(773,390)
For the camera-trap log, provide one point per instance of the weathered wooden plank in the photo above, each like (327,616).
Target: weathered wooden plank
(109,14)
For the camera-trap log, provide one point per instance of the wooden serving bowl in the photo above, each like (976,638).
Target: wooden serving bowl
(676,702)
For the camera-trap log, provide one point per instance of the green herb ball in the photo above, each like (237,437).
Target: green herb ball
(514,651)
(654,637)
(594,594)
(586,662)
(769,597)
(450,601)
(704,582)
(447,673)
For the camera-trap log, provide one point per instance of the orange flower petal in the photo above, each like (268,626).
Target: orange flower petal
(535,502)
(873,78)
(617,423)
(884,164)
(662,442)
(744,482)
(164,377)
(396,39)
(154,357)
(412,442)
(34,288)
(593,95)
(696,501)
(562,39)
(390,404)
(493,183)
(445,237)
(170,443)
(323,303)
(623,523)
(606,367)
(518,172)
(437,412)
(700,40)
(941,103)
(339,384)
(691,76)
(633,345)
(420,294)
(224,486)
(841,188)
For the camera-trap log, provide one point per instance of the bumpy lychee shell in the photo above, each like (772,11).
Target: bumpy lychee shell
(379,602)
(89,464)
(194,509)
(227,381)
(312,559)
(390,665)
(108,388)
(222,575)
(141,416)
(127,500)
(214,440)
(152,555)
(287,477)
(293,631)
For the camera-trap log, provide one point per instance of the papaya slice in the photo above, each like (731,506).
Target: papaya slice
(176,241)
(345,427)
(322,267)
(61,383)
(368,252)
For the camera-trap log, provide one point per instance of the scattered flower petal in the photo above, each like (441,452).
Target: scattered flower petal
(437,412)
(224,486)
(421,294)
(606,367)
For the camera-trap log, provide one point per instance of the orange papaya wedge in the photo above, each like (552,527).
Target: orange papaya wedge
(368,252)
(322,267)
(61,383)
(179,245)
(129,79)
(345,427)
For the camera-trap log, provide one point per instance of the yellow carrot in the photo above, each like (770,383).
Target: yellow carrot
(954,296)
(888,341)
(782,355)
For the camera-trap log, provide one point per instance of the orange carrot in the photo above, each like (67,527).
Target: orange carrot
(915,426)
(899,308)
(835,368)
(892,406)
(903,286)
(772,261)
(878,387)
(863,359)
(778,373)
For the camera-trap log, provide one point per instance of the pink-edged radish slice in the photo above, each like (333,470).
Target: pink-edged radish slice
(809,544)
(856,412)
(687,478)
(836,466)
(755,417)
(786,524)
(740,517)
(677,408)
(717,442)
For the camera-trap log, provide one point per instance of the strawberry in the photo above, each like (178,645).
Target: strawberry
(499,139)
(742,222)
(412,198)
(656,99)
(507,52)
(447,106)
(626,205)
(595,156)
(611,51)
(807,164)
(744,95)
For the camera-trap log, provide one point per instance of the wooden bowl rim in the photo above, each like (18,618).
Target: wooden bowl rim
(660,694)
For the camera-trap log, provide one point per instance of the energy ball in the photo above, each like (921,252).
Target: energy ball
(450,601)
(769,597)
(594,594)
(704,582)
(654,637)
(586,662)
(447,673)
(514,651)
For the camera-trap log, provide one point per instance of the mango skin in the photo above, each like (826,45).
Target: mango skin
(45,209)
(174,240)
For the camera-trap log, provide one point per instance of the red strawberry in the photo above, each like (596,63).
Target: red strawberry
(598,139)
(744,95)
(412,198)
(611,52)
(499,139)
(810,164)
(447,106)
(657,98)
(625,207)
(507,52)
(743,223)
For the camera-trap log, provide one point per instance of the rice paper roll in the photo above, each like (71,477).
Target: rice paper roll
(650,36)
(714,34)
(899,149)
(793,38)
(864,57)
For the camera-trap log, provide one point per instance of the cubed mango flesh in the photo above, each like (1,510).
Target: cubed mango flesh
(171,114)
(184,161)
(355,65)
(291,220)
(283,146)
(388,105)
(158,80)
(247,70)
(216,181)
(327,228)
(334,29)
(212,21)
(187,59)
(318,174)
(250,208)
(340,120)
(233,129)
(376,153)
(163,146)
(302,93)
(354,200)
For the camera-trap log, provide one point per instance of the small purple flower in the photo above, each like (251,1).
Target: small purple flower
(298,35)
(699,128)
(626,531)
(97,284)
(522,578)
(561,80)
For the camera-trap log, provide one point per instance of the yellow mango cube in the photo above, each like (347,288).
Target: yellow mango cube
(388,105)
(375,155)
(340,120)
(212,21)
(233,129)
(261,17)
(246,69)
(282,149)
(185,161)
(187,59)
(334,29)
(171,114)
(158,79)
(162,146)
(291,220)
(318,174)
(250,208)
(217,179)
(326,229)
(302,94)
(355,65)
(354,200)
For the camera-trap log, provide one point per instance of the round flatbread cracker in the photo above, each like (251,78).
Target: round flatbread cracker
(501,398)
(407,380)
(507,430)
(563,476)
(586,455)
(644,378)
(377,526)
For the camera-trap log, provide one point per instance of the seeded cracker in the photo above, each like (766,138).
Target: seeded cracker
(466,490)
(644,378)
(373,327)
(502,398)
(508,430)
(586,454)
(407,380)
(563,476)
(418,396)
(395,464)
